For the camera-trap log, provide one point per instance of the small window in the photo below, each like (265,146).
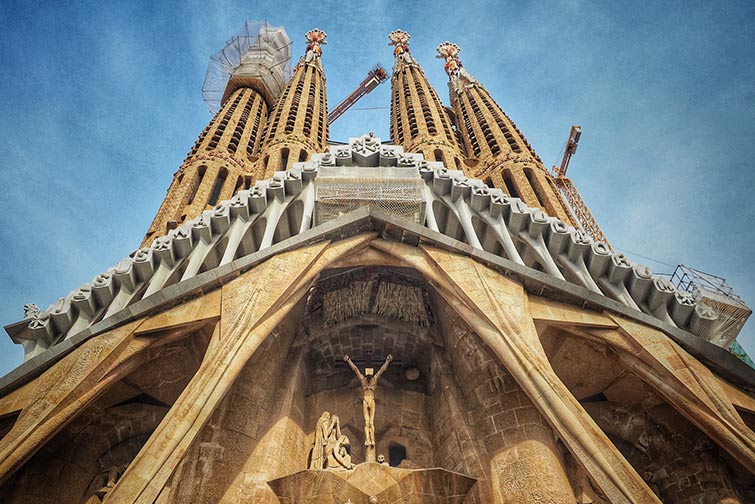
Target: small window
(396,453)
(215,194)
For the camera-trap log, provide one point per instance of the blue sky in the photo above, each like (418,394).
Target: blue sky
(101,101)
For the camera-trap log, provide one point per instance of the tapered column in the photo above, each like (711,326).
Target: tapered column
(419,121)
(222,160)
(298,126)
(499,152)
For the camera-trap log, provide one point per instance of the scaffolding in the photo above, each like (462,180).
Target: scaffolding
(716,294)
(261,51)
(341,189)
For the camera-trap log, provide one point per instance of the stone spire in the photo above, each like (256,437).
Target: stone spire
(498,151)
(221,161)
(419,122)
(298,126)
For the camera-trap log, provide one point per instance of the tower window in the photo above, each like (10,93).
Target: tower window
(438,154)
(535,187)
(200,176)
(284,158)
(508,181)
(215,194)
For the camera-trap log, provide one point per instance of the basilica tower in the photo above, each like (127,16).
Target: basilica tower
(419,122)
(298,126)
(243,80)
(499,152)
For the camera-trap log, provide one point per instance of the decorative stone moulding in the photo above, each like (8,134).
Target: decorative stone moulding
(283,206)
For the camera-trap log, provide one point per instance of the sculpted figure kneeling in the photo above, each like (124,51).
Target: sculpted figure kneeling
(330,450)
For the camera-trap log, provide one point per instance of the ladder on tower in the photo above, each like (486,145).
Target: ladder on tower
(578,206)
(375,77)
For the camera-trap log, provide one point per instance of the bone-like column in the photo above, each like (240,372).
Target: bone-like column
(252,306)
(496,308)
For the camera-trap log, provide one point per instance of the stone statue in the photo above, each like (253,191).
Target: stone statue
(341,456)
(31,310)
(330,448)
(369,384)
(322,433)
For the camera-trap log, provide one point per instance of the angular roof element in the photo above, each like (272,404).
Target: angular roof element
(548,256)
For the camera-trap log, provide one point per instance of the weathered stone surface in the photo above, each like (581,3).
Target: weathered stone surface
(371,480)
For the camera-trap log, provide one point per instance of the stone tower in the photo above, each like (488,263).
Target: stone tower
(298,126)
(373,325)
(419,121)
(222,159)
(498,151)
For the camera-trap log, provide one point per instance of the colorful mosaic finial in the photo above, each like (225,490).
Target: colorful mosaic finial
(456,72)
(400,40)
(315,39)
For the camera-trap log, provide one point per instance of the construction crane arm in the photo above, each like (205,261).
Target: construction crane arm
(582,214)
(375,77)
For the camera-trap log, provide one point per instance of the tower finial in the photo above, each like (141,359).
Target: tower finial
(456,72)
(400,39)
(315,40)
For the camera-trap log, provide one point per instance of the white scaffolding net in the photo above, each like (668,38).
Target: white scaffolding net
(268,46)
(342,189)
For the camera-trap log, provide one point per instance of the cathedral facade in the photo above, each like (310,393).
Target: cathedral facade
(413,320)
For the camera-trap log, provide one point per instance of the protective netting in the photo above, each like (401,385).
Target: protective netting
(340,190)
(269,42)
(716,296)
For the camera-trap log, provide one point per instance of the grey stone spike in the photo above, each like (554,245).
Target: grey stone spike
(220,219)
(480,198)
(200,230)
(292,183)
(558,238)
(619,269)
(62,315)
(40,330)
(144,264)
(460,188)
(598,260)
(579,245)
(275,189)
(342,154)
(103,288)
(497,203)
(83,300)
(442,183)
(681,310)
(517,217)
(257,200)
(309,171)
(639,283)
(124,274)
(182,241)
(538,224)
(389,156)
(327,159)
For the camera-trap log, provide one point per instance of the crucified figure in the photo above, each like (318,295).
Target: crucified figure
(369,384)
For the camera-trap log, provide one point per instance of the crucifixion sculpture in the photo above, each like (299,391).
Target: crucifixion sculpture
(369,384)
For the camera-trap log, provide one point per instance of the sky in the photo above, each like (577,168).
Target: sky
(101,101)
